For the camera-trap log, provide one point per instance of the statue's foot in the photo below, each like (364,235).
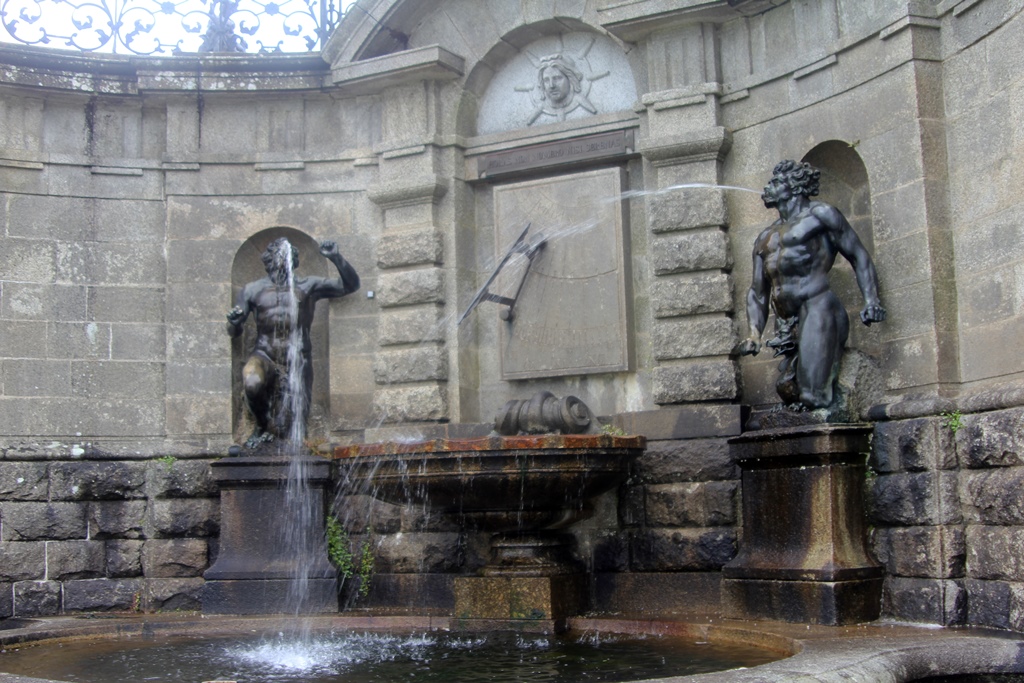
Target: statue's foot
(258,438)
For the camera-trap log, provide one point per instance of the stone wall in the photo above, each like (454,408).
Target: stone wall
(97,534)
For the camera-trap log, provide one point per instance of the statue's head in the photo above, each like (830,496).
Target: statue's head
(559,79)
(277,257)
(791,178)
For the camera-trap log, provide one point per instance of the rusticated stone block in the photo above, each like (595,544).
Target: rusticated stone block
(180,479)
(411,403)
(424,286)
(412,248)
(996,604)
(993,496)
(417,364)
(411,326)
(705,292)
(686,210)
(97,480)
(166,595)
(176,517)
(117,519)
(103,595)
(174,557)
(415,553)
(659,550)
(921,551)
(360,513)
(6,600)
(912,445)
(631,505)
(42,521)
(993,552)
(123,558)
(706,380)
(994,439)
(693,337)
(686,460)
(66,560)
(22,561)
(24,481)
(36,598)
(706,249)
(609,552)
(929,601)
(914,499)
(691,504)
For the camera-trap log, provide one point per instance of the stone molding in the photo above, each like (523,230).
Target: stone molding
(430,63)
(408,192)
(712,143)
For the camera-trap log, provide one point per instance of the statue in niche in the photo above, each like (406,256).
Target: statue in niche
(792,259)
(283,306)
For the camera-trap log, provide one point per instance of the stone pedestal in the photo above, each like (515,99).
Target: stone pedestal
(803,556)
(521,603)
(272,560)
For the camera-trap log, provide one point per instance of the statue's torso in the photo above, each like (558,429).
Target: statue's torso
(272,305)
(798,269)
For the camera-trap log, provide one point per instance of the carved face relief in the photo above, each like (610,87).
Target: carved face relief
(556,86)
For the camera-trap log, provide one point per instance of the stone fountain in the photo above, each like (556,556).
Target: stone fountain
(523,488)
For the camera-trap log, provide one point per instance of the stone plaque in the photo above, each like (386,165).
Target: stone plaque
(591,148)
(571,315)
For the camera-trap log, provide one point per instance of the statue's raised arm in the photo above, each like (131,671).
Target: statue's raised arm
(347,280)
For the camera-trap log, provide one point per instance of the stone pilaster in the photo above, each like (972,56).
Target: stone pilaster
(692,292)
(411,368)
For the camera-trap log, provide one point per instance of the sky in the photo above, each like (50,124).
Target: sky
(157,26)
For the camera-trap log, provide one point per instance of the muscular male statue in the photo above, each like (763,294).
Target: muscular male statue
(792,258)
(269,299)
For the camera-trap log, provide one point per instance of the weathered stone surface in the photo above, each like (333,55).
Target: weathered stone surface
(416,553)
(177,517)
(993,496)
(997,604)
(658,550)
(411,326)
(993,439)
(117,519)
(993,552)
(23,481)
(97,480)
(693,250)
(418,364)
(180,479)
(686,460)
(411,287)
(66,560)
(361,513)
(683,422)
(411,403)
(921,551)
(37,598)
(412,248)
(609,552)
(174,557)
(42,521)
(912,445)
(101,595)
(168,595)
(686,209)
(928,601)
(22,561)
(692,504)
(914,498)
(693,337)
(692,294)
(123,558)
(705,380)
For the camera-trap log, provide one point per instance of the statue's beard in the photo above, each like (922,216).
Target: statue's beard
(770,200)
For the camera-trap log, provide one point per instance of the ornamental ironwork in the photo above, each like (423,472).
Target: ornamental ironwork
(162,27)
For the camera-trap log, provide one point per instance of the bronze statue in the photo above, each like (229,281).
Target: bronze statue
(792,258)
(283,322)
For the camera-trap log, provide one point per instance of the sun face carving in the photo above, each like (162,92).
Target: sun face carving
(563,82)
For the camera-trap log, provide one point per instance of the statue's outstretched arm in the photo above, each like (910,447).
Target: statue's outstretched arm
(757,304)
(238,314)
(347,280)
(852,249)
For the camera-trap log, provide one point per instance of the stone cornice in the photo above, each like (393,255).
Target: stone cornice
(712,143)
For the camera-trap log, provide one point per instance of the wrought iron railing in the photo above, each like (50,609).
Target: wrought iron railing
(165,27)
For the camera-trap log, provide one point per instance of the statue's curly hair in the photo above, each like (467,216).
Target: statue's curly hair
(274,248)
(801,177)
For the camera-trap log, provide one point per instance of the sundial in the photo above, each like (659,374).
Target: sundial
(519,247)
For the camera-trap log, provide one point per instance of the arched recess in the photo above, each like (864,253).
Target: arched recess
(247,267)
(845,185)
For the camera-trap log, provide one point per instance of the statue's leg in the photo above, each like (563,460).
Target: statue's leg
(257,387)
(824,327)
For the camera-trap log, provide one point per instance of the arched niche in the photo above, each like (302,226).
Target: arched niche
(844,185)
(247,267)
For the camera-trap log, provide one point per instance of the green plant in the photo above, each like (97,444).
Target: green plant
(167,460)
(339,552)
(953,421)
(612,430)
